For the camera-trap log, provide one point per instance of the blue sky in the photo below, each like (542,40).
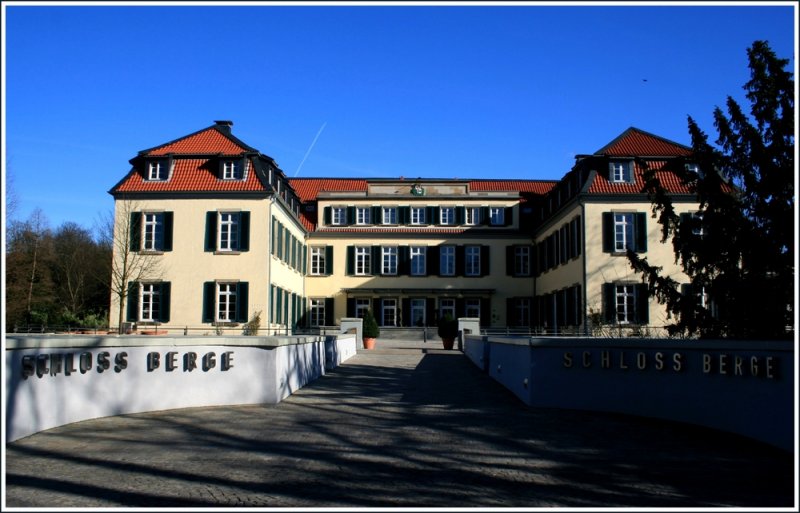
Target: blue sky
(439,91)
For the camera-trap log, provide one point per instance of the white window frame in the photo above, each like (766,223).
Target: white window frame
(625,303)
(447,260)
(228,231)
(472,307)
(317,267)
(472,216)
(363,256)
(389,215)
(447,306)
(417,312)
(472,260)
(418,215)
(623,231)
(156,171)
(361,306)
(447,216)
(232,170)
(362,215)
(522,261)
(316,312)
(497,216)
(389,305)
(621,171)
(522,311)
(152,231)
(418,255)
(389,260)
(149,302)
(225,310)
(338,216)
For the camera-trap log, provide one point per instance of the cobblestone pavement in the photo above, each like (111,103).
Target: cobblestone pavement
(405,425)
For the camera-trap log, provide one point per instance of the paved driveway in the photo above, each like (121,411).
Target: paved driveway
(405,425)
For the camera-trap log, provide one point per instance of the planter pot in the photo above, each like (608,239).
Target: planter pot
(448,342)
(369,343)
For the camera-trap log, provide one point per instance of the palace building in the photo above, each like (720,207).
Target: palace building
(218,235)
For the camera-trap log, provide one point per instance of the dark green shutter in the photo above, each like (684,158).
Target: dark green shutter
(376,261)
(328,260)
(403,260)
(375,216)
(460,216)
(209,300)
(326,216)
(459,254)
(485,268)
(211,231)
(508,217)
(609,303)
(640,228)
(136,231)
(642,304)
(486,307)
(430,311)
(510,268)
(168,223)
(350,261)
(404,215)
(608,232)
(133,301)
(432,214)
(329,321)
(280,241)
(351,307)
(485,217)
(432,261)
(351,215)
(244,231)
(405,314)
(305,260)
(163,314)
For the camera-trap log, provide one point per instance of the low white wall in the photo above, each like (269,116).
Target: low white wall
(55,380)
(744,387)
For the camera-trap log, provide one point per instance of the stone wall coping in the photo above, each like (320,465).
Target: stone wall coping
(644,343)
(49,341)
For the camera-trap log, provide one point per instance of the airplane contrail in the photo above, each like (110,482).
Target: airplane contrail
(310,147)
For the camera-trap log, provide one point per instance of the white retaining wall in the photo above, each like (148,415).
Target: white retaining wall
(56,380)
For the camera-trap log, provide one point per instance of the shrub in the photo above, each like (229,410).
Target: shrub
(448,327)
(371,329)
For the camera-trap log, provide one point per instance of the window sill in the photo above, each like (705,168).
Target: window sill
(227,252)
(151,252)
(225,324)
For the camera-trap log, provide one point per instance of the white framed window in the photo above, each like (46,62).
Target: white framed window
(152,231)
(150,302)
(418,215)
(472,216)
(317,312)
(497,216)
(472,260)
(389,314)
(389,215)
(522,260)
(418,312)
(522,312)
(228,231)
(418,254)
(318,260)
(362,305)
(447,215)
(363,256)
(447,260)
(389,259)
(698,230)
(226,302)
(157,170)
(362,215)
(338,216)
(625,298)
(232,170)
(472,308)
(623,231)
(621,171)
(692,168)
(447,307)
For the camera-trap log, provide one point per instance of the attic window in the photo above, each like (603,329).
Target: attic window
(693,169)
(621,171)
(157,170)
(232,170)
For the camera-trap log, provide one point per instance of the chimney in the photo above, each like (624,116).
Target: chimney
(224,125)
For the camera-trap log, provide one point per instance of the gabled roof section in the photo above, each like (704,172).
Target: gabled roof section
(192,175)
(214,140)
(664,172)
(635,142)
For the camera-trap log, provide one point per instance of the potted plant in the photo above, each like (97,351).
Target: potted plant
(448,331)
(371,330)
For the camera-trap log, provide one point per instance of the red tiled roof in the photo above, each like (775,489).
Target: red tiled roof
(308,189)
(635,142)
(191,175)
(531,186)
(669,181)
(208,141)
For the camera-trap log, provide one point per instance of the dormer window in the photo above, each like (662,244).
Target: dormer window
(157,170)
(621,171)
(232,170)
(692,169)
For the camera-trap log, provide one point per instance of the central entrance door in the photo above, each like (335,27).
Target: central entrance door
(389,312)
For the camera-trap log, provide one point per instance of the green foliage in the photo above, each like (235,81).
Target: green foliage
(448,327)
(744,259)
(370,328)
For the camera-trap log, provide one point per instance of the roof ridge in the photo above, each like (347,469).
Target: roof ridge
(631,129)
(224,132)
